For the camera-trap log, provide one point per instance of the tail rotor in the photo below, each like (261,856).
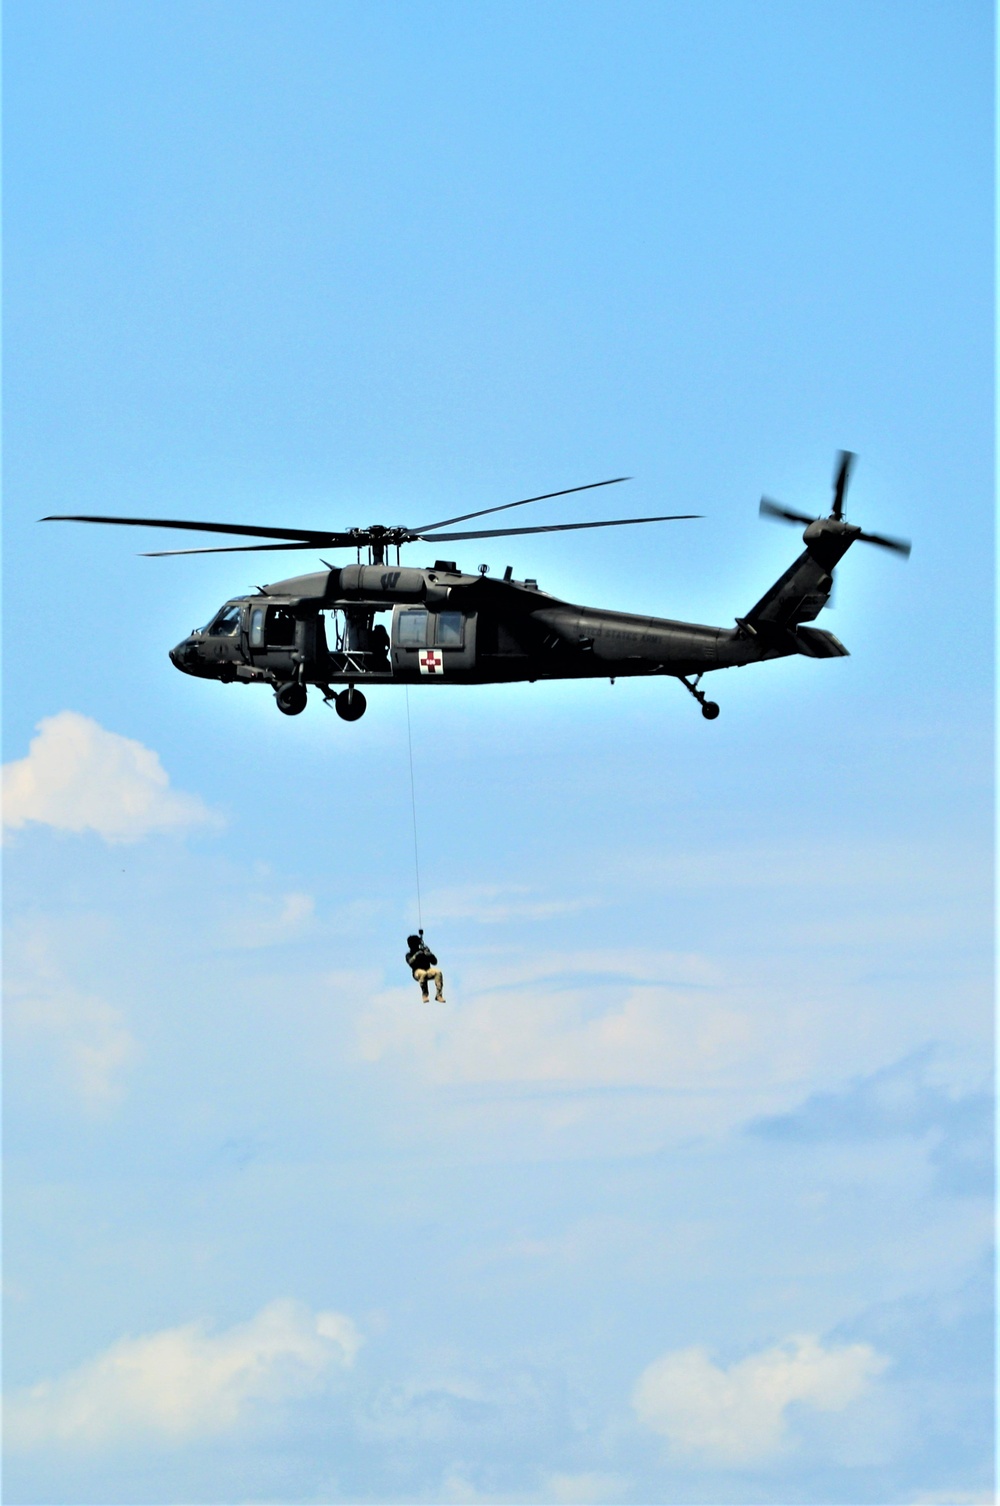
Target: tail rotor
(842,476)
(845,463)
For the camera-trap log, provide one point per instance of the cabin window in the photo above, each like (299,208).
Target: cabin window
(411,629)
(448,630)
(227,624)
(257,628)
(280,628)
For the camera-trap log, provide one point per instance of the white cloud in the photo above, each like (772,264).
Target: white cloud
(661,1022)
(496,904)
(78,777)
(184,1383)
(90,1038)
(433,1406)
(738,1416)
(94,1044)
(458,1490)
(588,1486)
(575,1489)
(261,920)
(957,1498)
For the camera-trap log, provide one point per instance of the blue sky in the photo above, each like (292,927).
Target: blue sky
(686,1194)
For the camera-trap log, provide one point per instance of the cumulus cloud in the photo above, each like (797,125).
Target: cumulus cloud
(957,1498)
(659,1022)
(79,777)
(458,1489)
(898,1099)
(479,1406)
(902,1099)
(262,920)
(546,1024)
(737,1416)
(589,1486)
(87,1038)
(184,1383)
(496,904)
(93,1043)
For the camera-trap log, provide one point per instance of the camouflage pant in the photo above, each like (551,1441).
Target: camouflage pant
(432,974)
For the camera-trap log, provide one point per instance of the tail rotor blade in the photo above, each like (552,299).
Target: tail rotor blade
(901,546)
(843,476)
(769,509)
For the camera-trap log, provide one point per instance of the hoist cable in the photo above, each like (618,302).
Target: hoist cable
(413,807)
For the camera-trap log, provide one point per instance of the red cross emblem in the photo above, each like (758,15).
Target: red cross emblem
(431,662)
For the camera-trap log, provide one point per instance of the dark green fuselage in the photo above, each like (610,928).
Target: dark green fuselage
(400,625)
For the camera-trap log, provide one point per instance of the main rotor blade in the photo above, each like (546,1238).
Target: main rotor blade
(769,509)
(336,542)
(901,546)
(307,535)
(845,463)
(498,533)
(464,517)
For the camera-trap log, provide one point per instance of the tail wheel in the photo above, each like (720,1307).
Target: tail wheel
(291,698)
(351,704)
(709,709)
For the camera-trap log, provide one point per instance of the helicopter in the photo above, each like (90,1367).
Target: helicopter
(446,626)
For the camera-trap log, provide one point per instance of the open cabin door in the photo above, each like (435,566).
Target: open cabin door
(356,643)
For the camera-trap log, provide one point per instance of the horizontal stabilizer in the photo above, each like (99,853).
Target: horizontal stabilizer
(817,643)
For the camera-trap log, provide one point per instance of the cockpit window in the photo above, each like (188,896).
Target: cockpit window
(227,623)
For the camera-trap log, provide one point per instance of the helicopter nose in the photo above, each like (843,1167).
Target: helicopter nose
(184,656)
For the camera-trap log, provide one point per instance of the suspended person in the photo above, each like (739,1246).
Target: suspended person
(423,964)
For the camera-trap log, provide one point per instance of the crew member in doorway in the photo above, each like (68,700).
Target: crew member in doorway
(423,964)
(380,646)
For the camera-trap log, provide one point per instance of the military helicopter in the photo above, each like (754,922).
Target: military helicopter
(322,629)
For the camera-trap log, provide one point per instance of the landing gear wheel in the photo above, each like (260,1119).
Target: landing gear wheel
(709,709)
(350,704)
(291,698)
